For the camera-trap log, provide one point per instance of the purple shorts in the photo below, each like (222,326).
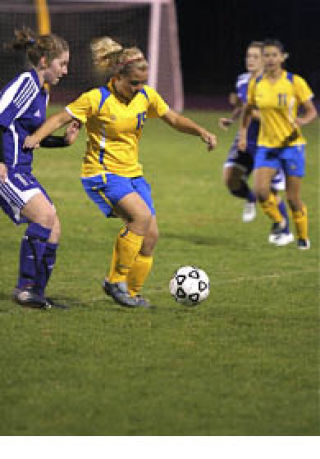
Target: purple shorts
(16,191)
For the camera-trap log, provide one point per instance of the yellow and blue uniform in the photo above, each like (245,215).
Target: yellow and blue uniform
(110,168)
(280,142)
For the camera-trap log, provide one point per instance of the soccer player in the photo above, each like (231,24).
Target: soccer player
(114,116)
(23,104)
(278,94)
(239,164)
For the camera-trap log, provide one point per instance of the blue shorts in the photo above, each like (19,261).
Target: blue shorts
(290,159)
(106,190)
(16,191)
(244,160)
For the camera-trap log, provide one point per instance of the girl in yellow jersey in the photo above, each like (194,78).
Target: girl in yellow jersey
(278,94)
(114,116)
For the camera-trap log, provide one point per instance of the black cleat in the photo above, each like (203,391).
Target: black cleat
(303,244)
(119,292)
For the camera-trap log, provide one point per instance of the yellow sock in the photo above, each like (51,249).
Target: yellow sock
(139,273)
(270,208)
(300,218)
(125,250)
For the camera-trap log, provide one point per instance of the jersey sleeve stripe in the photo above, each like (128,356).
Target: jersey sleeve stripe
(28,92)
(8,95)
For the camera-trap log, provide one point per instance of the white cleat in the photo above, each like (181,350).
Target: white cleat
(249,212)
(283,239)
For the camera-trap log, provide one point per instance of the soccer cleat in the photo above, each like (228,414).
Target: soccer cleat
(27,297)
(142,302)
(249,212)
(283,239)
(303,244)
(276,230)
(119,292)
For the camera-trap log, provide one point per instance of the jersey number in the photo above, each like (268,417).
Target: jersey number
(282,100)
(141,119)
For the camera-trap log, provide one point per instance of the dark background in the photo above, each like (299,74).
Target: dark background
(214,36)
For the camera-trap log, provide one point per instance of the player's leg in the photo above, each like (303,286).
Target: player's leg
(268,202)
(278,184)
(299,211)
(293,159)
(266,163)
(137,217)
(41,215)
(236,170)
(49,257)
(144,260)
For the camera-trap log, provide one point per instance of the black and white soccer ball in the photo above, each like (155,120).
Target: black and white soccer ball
(189,285)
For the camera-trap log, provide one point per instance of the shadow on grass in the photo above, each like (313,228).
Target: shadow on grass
(198,239)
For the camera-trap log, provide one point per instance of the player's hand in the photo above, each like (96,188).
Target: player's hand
(31,142)
(225,123)
(3,172)
(242,142)
(72,131)
(209,139)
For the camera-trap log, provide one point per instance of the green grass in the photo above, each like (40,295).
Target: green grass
(245,362)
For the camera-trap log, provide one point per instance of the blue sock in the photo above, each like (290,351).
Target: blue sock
(283,210)
(32,248)
(244,192)
(46,267)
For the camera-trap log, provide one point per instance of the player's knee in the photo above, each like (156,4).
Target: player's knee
(46,218)
(262,193)
(140,223)
(56,231)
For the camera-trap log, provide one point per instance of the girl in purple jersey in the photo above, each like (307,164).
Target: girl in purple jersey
(23,104)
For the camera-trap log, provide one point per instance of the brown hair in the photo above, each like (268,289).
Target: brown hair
(256,44)
(37,46)
(112,58)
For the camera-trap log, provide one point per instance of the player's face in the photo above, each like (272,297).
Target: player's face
(57,68)
(272,58)
(129,85)
(254,61)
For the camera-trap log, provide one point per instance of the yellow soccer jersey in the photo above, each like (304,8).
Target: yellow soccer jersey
(114,128)
(278,103)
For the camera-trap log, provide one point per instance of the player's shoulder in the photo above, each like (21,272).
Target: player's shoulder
(148,92)
(24,79)
(243,79)
(295,78)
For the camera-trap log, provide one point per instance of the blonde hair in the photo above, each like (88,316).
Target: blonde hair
(112,58)
(37,46)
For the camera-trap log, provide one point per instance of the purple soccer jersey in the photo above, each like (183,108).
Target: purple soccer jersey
(242,92)
(22,110)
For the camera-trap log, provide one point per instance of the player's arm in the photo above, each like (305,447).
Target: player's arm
(310,113)
(186,125)
(3,167)
(54,141)
(244,124)
(225,123)
(52,124)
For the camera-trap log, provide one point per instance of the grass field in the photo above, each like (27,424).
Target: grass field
(245,362)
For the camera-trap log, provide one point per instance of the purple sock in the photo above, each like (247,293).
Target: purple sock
(46,267)
(283,210)
(244,192)
(32,248)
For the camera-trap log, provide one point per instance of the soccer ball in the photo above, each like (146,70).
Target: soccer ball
(189,285)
